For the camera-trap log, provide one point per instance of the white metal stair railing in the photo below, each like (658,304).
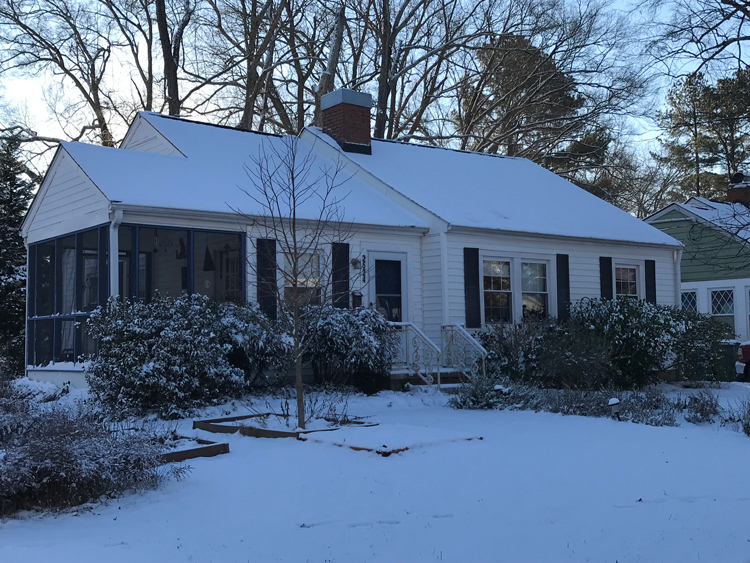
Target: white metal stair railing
(461,351)
(419,355)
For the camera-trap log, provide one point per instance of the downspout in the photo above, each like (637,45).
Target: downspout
(444,275)
(26,360)
(114,253)
(677,256)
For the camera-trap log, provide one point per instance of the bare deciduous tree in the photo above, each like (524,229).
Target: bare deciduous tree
(297,203)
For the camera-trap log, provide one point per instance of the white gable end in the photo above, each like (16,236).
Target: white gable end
(67,201)
(142,136)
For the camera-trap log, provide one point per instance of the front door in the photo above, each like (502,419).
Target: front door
(387,292)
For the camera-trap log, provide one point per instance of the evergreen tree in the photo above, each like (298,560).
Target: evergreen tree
(15,194)
(689,147)
(728,122)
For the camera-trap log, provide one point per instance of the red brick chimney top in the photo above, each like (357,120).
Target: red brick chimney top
(346,118)
(739,189)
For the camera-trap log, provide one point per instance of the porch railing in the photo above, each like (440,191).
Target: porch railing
(418,354)
(461,351)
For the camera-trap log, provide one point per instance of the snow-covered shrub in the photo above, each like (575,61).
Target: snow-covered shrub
(697,350)
(510,349)
(568,356)
(257,346)
(649,406)
(346,346)
(173,354)
(702,407)
(60,457)
(548,354)
(644,338)
(477,393)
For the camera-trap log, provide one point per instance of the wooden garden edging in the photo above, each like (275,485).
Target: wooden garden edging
(206,449)
(217,425)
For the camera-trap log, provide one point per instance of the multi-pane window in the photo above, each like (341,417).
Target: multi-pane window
(626,281)
(498,296)
(306,279)
(534,290)
(690,301)
(722,306)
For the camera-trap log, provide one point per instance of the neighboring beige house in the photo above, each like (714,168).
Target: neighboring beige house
(445,241)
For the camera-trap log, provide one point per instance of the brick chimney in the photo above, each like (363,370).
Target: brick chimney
(346,118)
(739,189)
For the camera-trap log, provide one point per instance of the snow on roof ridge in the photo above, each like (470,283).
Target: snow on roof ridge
(463,151)
(216,125)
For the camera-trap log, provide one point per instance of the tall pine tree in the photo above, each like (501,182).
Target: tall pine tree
(15,194)
(688,146)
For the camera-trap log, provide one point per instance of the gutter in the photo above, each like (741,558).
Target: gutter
(677,257)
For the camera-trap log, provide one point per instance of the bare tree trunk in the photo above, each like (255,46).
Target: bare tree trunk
(298,382)
(381,108)
(170,49)
(325,85)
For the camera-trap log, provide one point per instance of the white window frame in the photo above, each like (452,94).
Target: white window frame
(640,276)
(711,291)
(515,260)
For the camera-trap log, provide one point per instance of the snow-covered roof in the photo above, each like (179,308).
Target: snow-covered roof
(417,186)
(731,217)
(212,175)
(472,189)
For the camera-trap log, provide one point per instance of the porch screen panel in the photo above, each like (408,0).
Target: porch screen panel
(45,279)
(217,265)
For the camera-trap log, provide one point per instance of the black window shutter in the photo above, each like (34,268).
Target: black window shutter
(471,288)
(563,286)
(340,274)
(605,277)
(266,276)
(651,281)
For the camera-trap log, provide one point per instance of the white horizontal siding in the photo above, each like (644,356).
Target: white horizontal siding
(583,263)
(144,137)
(69,201)
(432,286)
(363,242)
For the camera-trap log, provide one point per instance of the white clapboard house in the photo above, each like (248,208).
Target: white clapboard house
(443,242)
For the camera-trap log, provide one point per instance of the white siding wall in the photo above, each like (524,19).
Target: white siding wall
(432,286)
(364,242)
(144,137)
(583,264)
(69,201)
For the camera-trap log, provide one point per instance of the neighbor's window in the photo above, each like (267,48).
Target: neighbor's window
(626,281)
(722,306)
(534,289)
(690,301)
(307,291)
(497,292)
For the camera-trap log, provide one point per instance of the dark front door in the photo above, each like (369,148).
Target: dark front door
(388,297)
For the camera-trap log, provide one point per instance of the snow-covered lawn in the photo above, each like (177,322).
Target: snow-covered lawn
(538,487)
